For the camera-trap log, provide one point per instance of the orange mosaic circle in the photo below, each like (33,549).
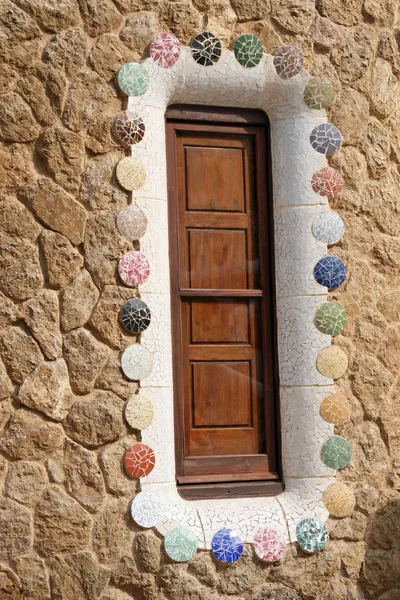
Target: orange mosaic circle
(139,460)
(335,409)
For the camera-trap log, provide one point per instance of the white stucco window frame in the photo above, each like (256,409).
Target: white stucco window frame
(302,388)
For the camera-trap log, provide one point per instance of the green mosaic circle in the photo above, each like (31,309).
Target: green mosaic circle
(318,93)
(133,79)
(336,452)
(311,535)
(330,318)
(180,544)
(248,50)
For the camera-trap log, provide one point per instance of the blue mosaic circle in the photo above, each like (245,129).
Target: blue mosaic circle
(330,272)
(227,546)
(312,535)
(326,139)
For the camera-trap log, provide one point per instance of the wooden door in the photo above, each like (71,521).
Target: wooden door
(224,375)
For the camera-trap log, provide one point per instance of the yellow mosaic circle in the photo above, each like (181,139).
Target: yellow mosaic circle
(332,362)
(339,500)
(139,412)
(131,173)
(335,409)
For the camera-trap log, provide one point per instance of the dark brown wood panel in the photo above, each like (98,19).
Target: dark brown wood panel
(221,284)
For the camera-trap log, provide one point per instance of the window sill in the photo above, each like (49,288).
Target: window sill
(216,491)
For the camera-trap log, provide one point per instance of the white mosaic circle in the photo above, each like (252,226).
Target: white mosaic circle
(139,412)
(147,509)
(328,228)
(136,362)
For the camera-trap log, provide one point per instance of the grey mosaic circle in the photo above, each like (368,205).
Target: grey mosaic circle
(328,228)
(136,362)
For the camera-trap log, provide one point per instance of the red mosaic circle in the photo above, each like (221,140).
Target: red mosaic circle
(139,460)
(269,545)
(165,50)
(134,268)
(327,182)
(129,128)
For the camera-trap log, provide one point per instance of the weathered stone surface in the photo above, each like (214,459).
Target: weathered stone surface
(6,387)
(103,247)
(98,135)
(115,594)
(34,579)
(352,166)
(182,18)
(295,16)
(21,275)
(55,466)
(9,312)
(47,390)
(52,15)
(25,482)
(204,569)
(88,95)
(324,32)
(20,35)
(77,576)
(383,12)
(139,29)
(33,91)
(57,209)
(41,315)
(112,379)
(370,454)
(83,479)
(20,353)
(10,588)
(270,39)
(389,305)
(352,556)
(348,114)
(111,460)
(55,84)
(371,382)
(249,11)
(29,437)
(382,88)
(376,147)
(369,330)
(85,357)
(100,190)
(16,168)
(381,203)
(16,121)
(388,350)
(388,49)
(99,16)
(62,261)
(104,319)
(17,221)
(15,529)
(96,419)
(67,51)
(108,54)
(62,153)
(148,551)
(221,20)
(269,591)
(352,55)
(343,12)
(351,528)
(77,301)
(61,525)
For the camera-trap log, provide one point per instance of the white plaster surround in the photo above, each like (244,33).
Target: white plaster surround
(296,205)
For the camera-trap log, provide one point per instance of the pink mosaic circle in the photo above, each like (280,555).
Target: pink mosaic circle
(165,50)
(269,545)
(134,268)
(327,182)
(288,61)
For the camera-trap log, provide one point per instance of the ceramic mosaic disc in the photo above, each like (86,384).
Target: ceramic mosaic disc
(318,93)
(339,500)
(146,509)
(328,228)
(139,460)
(133,79)
(227,546)
(129,128)
(288,61)
(331,318)
(165,50)
(327,182)
(139,412)
(136,362)
(248,50)
(326,139)
(180,544)
(135,315)
(131,222)
(332,362)
(336,453)
(269,545)
(330,272)
(131,173)
(335,409)
(312,535)
(206,49)
(133,268)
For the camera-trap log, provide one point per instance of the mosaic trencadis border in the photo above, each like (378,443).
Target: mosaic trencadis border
(130,128)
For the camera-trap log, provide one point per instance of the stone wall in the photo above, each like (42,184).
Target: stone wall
(65,532)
